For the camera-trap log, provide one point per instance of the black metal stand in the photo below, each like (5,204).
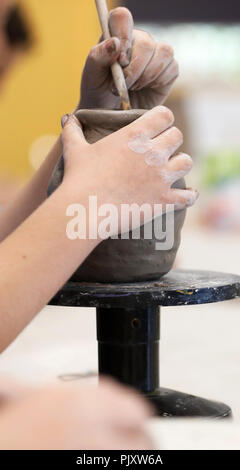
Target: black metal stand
(128,346)
(128,331)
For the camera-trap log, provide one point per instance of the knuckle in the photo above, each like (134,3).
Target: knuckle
(94,53)
(166,49)
(147,41)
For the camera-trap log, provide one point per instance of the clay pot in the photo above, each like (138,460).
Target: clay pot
(120,260)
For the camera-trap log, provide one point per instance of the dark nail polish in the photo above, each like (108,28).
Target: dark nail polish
(64,119)
(114,91)
(111,47)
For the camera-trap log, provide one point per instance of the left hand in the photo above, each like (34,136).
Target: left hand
(149,67)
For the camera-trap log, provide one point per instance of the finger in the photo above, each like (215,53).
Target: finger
(142,52)
(151,124)
(171,139)
(167,76)
(100,58)
(177,167)
(72,134)
(182,198)
(121,26)
(163,147)
(162,57)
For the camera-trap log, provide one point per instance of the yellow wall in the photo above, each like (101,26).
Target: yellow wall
(46,83)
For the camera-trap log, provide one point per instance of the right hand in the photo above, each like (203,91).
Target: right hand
(70,417)
(135,165)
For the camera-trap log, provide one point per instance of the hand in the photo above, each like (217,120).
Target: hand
(132,166)
(70,417)
(149,67)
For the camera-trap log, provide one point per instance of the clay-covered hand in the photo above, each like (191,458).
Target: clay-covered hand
(71,417)
(149,67)
(136,165)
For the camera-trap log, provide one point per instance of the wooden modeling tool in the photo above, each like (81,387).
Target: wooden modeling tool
(117,71)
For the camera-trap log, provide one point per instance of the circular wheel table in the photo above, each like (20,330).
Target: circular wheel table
(128,330)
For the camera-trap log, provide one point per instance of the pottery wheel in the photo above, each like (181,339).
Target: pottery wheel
(128,330)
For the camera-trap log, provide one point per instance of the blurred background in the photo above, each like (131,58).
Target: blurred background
(44,84)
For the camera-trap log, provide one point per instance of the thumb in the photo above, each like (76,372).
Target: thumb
(100,58)
(72,135)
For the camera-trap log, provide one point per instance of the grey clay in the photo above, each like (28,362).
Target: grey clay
(120,260)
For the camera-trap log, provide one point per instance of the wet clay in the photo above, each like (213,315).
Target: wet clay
(121,260)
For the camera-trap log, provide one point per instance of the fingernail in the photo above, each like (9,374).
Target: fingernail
(64,119)
(111,46)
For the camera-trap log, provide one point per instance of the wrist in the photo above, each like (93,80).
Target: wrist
(81,205)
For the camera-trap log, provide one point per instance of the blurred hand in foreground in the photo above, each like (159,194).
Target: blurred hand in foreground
(70,417)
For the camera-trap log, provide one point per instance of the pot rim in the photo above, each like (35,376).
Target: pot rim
(108,117)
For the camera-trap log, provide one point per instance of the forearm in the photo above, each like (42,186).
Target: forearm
(36,260)
(31,196)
